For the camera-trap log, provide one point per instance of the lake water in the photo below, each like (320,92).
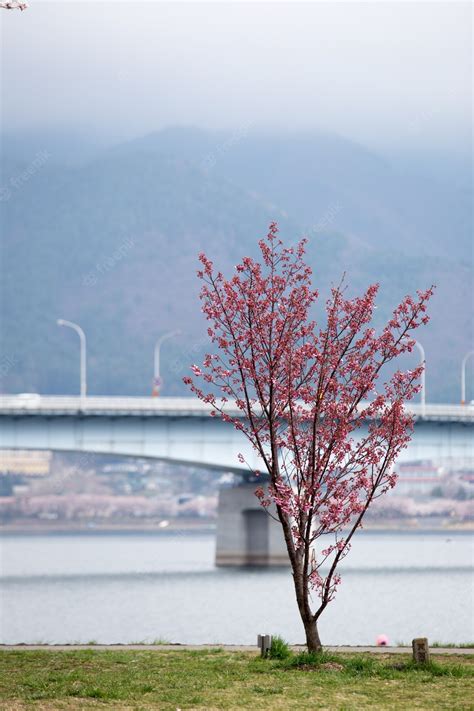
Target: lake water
(134,588)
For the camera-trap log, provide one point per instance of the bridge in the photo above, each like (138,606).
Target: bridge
(180,430)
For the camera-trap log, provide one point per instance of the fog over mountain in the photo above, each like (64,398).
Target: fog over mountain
(109,237)
(395,76)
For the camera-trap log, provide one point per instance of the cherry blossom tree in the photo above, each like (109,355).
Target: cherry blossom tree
(312,403)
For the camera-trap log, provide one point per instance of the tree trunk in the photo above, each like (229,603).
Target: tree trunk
(310,624)
(296,559)
(312,635)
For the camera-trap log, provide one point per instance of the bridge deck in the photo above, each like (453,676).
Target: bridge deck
(32,404)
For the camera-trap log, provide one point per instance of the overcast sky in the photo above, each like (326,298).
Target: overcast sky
(383,73)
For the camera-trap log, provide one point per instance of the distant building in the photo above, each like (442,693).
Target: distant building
(19,466)
(417,477)
(25,463)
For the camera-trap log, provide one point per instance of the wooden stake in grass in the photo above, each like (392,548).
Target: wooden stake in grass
(264,641)
(421,650)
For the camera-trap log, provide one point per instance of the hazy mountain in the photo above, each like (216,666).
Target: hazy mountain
(111,242)
(63,146)
(383,203)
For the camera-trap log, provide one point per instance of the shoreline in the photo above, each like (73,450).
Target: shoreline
(194,526)
(177,647)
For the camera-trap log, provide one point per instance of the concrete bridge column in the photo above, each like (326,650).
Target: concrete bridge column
(246,534)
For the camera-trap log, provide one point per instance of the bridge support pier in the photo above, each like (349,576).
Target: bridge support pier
(246,534)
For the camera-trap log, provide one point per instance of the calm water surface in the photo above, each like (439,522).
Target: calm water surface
(133,588)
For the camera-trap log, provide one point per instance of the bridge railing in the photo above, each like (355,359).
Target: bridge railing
(34,404)
(103,404)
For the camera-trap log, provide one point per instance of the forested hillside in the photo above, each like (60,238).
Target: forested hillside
(111,242)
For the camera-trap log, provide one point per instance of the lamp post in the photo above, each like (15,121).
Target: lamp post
(423,377)
(156,370)
(82,339)
(468,355)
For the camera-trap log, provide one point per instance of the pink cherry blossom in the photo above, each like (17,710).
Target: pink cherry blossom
(313,402)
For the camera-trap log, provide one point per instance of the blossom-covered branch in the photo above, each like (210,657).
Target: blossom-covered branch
(13,5)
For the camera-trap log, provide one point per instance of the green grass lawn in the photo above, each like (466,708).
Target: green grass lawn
(215,679)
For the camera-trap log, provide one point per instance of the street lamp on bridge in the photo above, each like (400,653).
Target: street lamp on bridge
(468,355)
(157,382)
(423,377)
(82,339)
